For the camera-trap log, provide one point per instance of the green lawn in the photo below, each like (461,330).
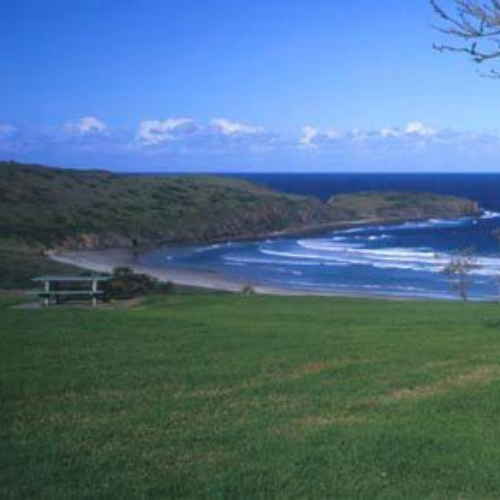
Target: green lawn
(214,396)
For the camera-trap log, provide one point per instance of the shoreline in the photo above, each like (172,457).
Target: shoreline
(308,230)
(104,261)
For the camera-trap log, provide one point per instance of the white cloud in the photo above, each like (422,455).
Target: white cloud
(230,128)
(309,134)
(184,135)
(417,128)
(389,132)
(414,133)
(222,139)
(313,137)
(155,132)
(88,125)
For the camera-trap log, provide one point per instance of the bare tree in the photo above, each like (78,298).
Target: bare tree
(475,27)
(459,269)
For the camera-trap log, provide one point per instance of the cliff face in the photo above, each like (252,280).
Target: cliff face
(95,209)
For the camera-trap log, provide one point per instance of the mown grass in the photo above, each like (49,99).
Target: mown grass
(206,396)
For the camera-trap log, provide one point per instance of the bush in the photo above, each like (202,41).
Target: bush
(125,284)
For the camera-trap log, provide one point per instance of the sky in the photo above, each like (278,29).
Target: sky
(240,86)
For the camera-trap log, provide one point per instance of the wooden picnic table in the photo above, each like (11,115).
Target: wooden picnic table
(56,287)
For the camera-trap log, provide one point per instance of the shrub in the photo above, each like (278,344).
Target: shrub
(125,284)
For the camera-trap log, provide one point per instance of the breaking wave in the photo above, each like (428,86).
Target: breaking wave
(405,259)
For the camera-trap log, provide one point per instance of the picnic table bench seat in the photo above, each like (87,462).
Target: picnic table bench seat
(56,287)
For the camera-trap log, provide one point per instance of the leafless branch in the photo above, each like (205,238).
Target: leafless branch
(475,26)
(461,264)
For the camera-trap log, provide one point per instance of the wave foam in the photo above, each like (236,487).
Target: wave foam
(490,215)
(415,259)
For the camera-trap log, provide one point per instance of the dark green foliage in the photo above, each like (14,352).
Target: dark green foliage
(398,205)
(97,209)
(49,207)
(251,397)
(125,284)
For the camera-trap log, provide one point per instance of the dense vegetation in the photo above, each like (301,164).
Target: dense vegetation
(222,396)
(98,209)
(47,206)
(387,205)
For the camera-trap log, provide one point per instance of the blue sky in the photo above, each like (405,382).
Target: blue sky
(240,85)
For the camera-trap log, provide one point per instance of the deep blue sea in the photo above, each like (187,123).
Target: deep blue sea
(401,260)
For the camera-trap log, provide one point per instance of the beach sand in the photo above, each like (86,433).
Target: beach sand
(104,261)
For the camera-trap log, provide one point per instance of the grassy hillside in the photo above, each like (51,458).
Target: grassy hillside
(88,209)
(386,205)
(233,397)
(47,207)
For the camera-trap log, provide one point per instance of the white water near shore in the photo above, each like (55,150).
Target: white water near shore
(104,261)
(403,260)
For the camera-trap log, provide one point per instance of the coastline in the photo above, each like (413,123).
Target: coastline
(297,231)
(104,261)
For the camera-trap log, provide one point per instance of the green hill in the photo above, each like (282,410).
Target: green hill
(393,204)
(49,207)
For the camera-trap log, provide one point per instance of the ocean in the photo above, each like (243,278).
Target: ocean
(403,260)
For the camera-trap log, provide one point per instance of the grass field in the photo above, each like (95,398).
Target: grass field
(214,396)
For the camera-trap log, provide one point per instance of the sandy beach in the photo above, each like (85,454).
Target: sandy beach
(104,261)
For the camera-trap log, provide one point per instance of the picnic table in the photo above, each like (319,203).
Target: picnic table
(59,287)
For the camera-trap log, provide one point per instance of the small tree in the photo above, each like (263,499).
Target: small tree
(459,269)
(496,234)
(248,290)
(473,27)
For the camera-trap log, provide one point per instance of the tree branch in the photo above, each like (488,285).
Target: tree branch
(476,27)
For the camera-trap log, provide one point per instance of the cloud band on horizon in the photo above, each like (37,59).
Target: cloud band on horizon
(175,138)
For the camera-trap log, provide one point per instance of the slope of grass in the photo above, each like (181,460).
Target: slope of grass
(233,397)
(48,206)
